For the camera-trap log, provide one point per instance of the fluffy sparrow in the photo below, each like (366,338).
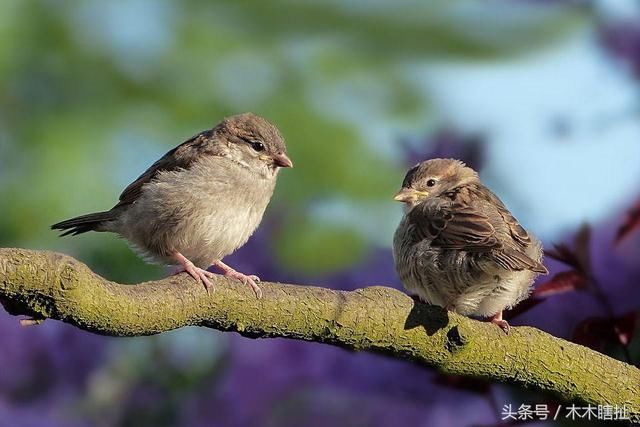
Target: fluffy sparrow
(458,246)
(201,201)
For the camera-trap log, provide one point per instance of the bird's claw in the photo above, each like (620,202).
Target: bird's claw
(502,324)
(199,274)
(251,280)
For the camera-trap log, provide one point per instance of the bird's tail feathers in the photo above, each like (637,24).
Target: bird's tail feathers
(516,260)
(84,223)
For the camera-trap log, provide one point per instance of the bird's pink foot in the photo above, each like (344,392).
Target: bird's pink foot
(251,280)
(197,273)
(497,319)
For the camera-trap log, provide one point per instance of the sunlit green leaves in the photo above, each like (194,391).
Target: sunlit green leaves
(316,248)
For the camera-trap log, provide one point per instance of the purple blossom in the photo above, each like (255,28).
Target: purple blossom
(622,40)
(446,143)
(44,370)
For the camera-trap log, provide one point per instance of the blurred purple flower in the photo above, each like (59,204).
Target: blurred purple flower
(445,143)
(45,367)
(33,415)
(622,40)
(264,375)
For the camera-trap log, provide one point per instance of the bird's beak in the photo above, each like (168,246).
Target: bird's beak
(409,195)
(281,160)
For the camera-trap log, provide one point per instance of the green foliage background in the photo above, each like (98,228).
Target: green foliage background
(92,92)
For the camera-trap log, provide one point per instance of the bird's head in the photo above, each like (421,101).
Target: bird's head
(433,178)
(254,142)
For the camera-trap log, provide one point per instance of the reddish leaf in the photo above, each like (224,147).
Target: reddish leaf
(566,255)
(631,222)
(595,332)
(625,327)
(562,282)
(582,245)
(580,257)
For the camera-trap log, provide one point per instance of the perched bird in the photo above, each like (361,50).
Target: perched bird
(201,201)
(458,246)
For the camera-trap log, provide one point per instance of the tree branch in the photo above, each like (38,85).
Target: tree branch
(376,319)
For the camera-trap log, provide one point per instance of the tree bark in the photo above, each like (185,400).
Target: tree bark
(48,285)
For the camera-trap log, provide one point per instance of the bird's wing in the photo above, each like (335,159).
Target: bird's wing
(181,157)
(454,226)
(518,233)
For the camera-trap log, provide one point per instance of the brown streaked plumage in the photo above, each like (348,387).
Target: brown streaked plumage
(458,246)
(199,202)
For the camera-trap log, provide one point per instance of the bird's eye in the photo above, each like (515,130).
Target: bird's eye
(258,146)
(431,183)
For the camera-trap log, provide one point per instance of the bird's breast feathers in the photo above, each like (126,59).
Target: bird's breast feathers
(206,212)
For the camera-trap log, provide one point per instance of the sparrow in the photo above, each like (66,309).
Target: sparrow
(458,246)
(200,201)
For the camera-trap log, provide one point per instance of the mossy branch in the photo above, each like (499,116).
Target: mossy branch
(377,319)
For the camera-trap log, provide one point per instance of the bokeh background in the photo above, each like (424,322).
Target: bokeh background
(540,96)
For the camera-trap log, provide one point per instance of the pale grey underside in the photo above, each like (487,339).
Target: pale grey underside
(205,212)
